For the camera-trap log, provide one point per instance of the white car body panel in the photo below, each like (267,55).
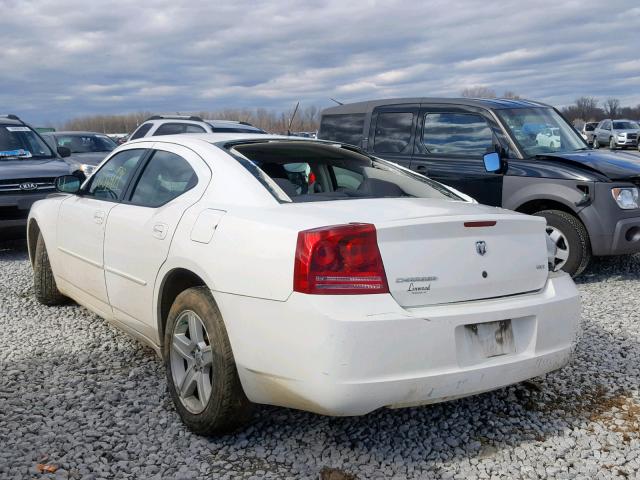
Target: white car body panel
(331,354)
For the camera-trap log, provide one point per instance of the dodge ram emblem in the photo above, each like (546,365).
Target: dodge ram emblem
(481,247)
(28,186)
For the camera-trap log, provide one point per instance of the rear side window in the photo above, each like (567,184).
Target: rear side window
(110,181)
(165,177)
(342,128)
(393,132)
(142,131)
(466,134)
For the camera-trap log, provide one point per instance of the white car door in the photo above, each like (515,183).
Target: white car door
(140,230)
(81,227)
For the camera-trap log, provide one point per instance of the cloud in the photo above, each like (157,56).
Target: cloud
(66,58)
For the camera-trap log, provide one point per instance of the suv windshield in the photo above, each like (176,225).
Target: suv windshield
(20,142)
(78,143)
(540,130)
(625,125)
(295,171)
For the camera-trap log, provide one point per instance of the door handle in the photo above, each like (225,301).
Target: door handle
(98,217)
(160,230)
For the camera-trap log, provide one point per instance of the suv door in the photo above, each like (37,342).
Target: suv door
(450,145)
(140,230)
(81,227)
(392,133)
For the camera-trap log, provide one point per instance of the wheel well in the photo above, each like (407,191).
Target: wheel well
(534,206)
(176,282)
(32,237)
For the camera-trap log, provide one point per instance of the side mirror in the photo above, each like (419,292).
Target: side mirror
(492,162)
(64,152)
(68,184)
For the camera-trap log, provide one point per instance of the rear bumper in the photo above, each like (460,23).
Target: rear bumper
(351,355)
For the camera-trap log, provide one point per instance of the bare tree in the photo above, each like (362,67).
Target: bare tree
(612,107)
(478,91)
(587,108)
(511,95)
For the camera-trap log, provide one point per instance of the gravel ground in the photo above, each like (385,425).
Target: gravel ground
(77,394)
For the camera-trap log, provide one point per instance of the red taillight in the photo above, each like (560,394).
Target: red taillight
(339,260)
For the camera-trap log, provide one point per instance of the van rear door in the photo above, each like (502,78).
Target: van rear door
(393,131)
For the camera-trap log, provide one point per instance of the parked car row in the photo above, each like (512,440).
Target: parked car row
(616,134)
(589,198)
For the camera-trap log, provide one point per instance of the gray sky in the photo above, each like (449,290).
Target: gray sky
(64,58)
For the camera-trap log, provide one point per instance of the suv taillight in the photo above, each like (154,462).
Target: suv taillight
(339,260)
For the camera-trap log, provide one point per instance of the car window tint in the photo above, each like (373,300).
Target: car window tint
(172,129)
(164,178)
(457,134)
(393,132)
(342,128)
(190,128)
(142,131)
(110,181)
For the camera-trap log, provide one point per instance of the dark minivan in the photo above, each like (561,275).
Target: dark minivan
(590,199)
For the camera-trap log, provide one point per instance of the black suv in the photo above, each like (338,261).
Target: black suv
(589,198)
(28,168)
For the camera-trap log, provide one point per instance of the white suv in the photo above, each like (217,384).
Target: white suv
(175,124)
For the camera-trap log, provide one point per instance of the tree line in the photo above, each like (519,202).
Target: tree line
(306,119)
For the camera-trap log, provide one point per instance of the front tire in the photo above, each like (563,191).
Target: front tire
(44,283)
(612,144)
(571,239)
(596,145)
(201,371)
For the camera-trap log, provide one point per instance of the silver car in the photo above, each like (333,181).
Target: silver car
(616,134)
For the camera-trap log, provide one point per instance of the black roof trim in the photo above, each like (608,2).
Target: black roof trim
(175,117)
(490,103)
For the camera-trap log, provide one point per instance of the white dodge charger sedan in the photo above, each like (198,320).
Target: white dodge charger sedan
(302,273)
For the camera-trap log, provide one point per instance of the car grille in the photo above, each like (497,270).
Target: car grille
(632,136)
(13,213)
(25,185)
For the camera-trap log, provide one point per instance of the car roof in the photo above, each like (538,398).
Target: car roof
(490,103)
(4,120)
(222,137)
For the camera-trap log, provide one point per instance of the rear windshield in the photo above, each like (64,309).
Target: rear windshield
(590,127)
(79,143)
(342,128)
(314,172)
(19,142)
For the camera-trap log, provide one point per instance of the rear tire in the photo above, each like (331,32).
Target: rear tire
(44,283)
(574,235)
(214,370)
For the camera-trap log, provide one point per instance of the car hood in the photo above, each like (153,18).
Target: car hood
(615,165)
(10,169)
(88,158)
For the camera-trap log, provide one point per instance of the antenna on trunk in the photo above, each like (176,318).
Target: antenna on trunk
(295,110)
(333,99)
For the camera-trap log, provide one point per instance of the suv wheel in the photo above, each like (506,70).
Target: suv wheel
(201,371)
(596,145)
(612,144)
(44,283)
(571,238)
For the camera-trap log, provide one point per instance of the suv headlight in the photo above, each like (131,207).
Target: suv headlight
(87,169)
(626,198)
(552,250)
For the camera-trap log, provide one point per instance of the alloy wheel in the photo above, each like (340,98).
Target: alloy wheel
(562,246)
(191,361)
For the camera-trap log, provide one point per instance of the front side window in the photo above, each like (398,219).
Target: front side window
(18,142)
(142,131)
(164,178)
(294,171)
(393,132)
(178,128)
(342,128)
(86,143)
(465,134)
(110,181)
(540,130)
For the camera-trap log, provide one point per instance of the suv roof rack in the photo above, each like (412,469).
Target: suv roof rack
(175,117)
(11,116)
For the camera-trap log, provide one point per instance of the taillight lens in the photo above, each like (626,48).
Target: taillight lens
(339,260)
